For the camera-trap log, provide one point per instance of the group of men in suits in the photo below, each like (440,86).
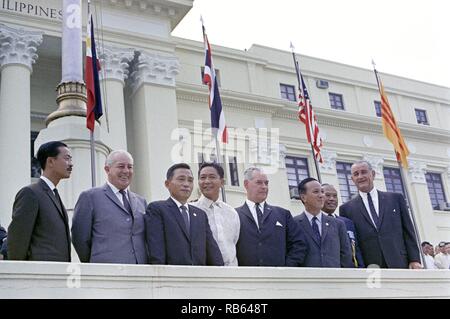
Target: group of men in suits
(111,224)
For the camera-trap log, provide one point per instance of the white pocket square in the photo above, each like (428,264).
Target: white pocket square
(394,211)
(278,224)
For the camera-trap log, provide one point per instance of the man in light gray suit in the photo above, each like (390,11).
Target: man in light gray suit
(328,243)
(108,223)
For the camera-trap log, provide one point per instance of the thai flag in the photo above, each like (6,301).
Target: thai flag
(94,99)
(215,103)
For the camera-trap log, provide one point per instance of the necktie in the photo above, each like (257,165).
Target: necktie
(315,228)
(126,203)
(259,215)
(184,213)
(373,212)
(58,199)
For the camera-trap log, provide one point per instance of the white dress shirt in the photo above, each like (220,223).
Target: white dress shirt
(319,217)
(225,226)
(442,261)
(48,182)
(429,262)
(252,206)
(374,195)
(116,192)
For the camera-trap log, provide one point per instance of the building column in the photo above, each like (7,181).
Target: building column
(421,203)
(17,54)
(154,117)
(115,63)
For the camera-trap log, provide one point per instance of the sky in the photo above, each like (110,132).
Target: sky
(407,38)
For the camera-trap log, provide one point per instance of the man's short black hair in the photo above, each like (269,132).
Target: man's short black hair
(302,185)
(218,167)
(49,149)
(426,243)
(172,169)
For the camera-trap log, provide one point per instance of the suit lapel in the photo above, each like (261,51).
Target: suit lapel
(364,212)
(267,212)
(110,194)
(248,214)
(133,201)
(177,214)
(307,225)
(325,225)
(59,206)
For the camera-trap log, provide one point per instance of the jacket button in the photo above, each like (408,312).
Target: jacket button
(128,219)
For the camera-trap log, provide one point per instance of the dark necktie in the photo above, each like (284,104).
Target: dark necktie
(259,215)
(315,228)
(184,213)
(126,203)
(58,199)
(373,212)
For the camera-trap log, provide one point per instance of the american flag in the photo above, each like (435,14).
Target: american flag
(215,104)
(307,116)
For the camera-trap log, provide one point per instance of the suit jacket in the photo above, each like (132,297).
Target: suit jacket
(169,242)
(103,231)
(334,248)
(279,242)
(39,229)
(395,239)
(351,232)
(3,245)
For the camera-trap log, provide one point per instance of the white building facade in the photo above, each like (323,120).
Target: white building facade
(156,107)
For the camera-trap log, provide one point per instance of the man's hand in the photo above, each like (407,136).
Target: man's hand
(415,265)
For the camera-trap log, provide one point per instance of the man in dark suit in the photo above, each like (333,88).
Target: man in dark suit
(383,225)
(108,223)
(39,229)
(268,235)
(328,243)
(2,239)
(329,207)
(178,233)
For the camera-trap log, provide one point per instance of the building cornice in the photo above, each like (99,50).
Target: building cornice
(326,117)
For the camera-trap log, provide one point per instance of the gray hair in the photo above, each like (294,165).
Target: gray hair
(363,162)
(110,159)
(248,173)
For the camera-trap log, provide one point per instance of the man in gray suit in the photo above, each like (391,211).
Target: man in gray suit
(108,222)
(328,243)
(39,229)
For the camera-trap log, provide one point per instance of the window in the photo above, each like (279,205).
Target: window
(435,189)
(421,116)
(393,181)
(377,105)
(297,170)
(232,165)
(288,92)
(202,72)
(346,185)
(336,101)
(234,176)
(35,166)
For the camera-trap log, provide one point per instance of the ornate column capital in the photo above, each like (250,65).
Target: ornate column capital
(417,170)
(377,164)
(18,46)
(329,162)
(154,68)
(115,62)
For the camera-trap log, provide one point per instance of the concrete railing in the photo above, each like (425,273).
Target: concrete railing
(19,279)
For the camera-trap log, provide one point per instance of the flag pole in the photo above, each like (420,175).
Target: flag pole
(215,131)
(402,176)
(92,142)
(224,199)
(297,71)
